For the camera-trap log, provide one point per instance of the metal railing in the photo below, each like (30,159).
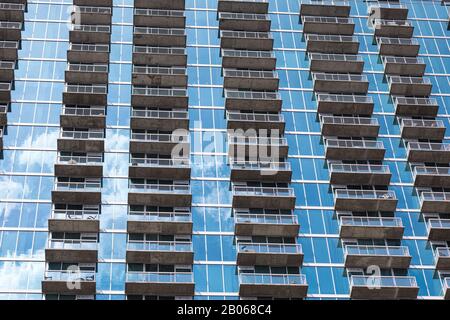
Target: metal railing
(370,221)
(9,44)
(278,219)
(397,41)
(254,140)
(69,276)
(158,12)
(428,146)
(342,98)
(159,70)
(274,279)
(160,277)
(251,95)
(91,28)
(363,144)
(330,38)
(162,92)
(82,67)
(245,34)
(3,108)
(160,31)
(91,134)
(160,137)
(253,165)
(7,65)
(243,16)
(5,86)
(362,121)
(101,48)
(70,214)
(331,20)
(438,224)
(339,77)
(83,111)
(368,250)
(391,23)
(442,252)
(93,185)
(72,244)
(421,123)
(247,53)
(359,168)
(365,194)
(95,10)
(12,6)
(160,162)
(263,191)
(383,281)
(171,246)
(408,80)
(434,196)
(254,117)
(250,247)
(88,159)
(86,89)
(250,74)
(10,25)
(160,188)
(335,57)
(402,60)
(414,101)
(159,216)
(159,50)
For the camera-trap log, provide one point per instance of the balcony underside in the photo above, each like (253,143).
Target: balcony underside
(92,18)
(419,90)
(285,291)
(274,202)
(400,50)
(443,263)
(435,206)
(429,156)
(394,31)
(8,54)
(11,15)
(384,262)
(416,132)
(64,287)
(78,36)
(259,84)
(71,256)
(159,101)
(269,259)
(258,105)
(172,173)
(249,63)
(5,96)
(245,25)
(392,13)
(10,34)
(345,29)
(156,147)
(78,170)
(77,121)
(372,232)
(266,229)
(72,225)
(349,87)
(251,150)
(160,199)
(403,69)
(333,107)
(83,77)
(159,21)
(159,40)
(354,154)
(74,56)
(332,47)
(336,66)
(383,293)
(246,125)
(363,204)
(159,257)
(350,130)
(157,80)
(164,60)
(439,234)
(82,145)
(325,10)
(238,174)
(157,288)
(3,119)
(416,110)
(246,43)
(95,3)
(432,180)
(72,196)
(360,178)
(85,99)
(159,227)
(243,6)
(7,75)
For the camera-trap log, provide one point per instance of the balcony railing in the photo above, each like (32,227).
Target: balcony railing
(422,123)
(358,168)
(250,74)
(408,80)
(434,196)
(243,16)
(335,57)
(69,276)
(8,65)
(442,252)
(69,214)
(363,144)
(158,50)
(252,95)
(365,194)
(159,13)
(171,246)
(263,191)
(252,165)
(96,10)
(414,101)
(438,223)
(88,159)
(396,23)
(86,89)
(245,34)
(402,60)
(162,92)
(81,67)
(247,54)
(339,77)
(349,120)
(100,48)
(83,135)
(159,137)
(383,281)
(290,248)
(3,108)
(275,279)
(254,117)
(328,37)
(438,171)
(160,188)
(82,111)
(72,244)
(10,25)
(9,45)
(160,277)
(12,6)
(371,221)
(397,41)
(252,140)
(91,28)
(160,162)
(4,86)
(428,146)
(159,70)
(342,98)
(399,251)
(279,219)
(159,216)
(160,31)
(93,185)
(334,20)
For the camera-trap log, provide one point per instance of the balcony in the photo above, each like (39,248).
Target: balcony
(82,141)
(389,11)
(161,143)
(175,169)
(7,70)
(243,6)
(344,104)
(1,139)
(364,200)
(328,25)
(12,12)
(269,254)
(159,37)
(352,227)
(71,251)
(91,15)
(336,149)
(252,146)
(10,31)
(324,43)
(398,47)
(246,121)
(285,225)
(359,174)
(246,40)
(438,229)
(160,194)
(160,4)
(5,92)
(69,282)
(446,289)
(336,63)
(272,285)
(263,197)
(89,165)
(415,107)
(3,114)
(159,222)
(393,28)
(428,152)
(260,171)
(403,66)
(159,76)
(85,191)
(409,86)
(349,126)
(422,129)
(159,97)
(160,283)
(436,202)
(86,73)
(325,9)
(78,221)
(250,79)
(88,53)
(90,95)
(340,83)
(383,287)
(159,56)
(258,101)
(160,252)
(8,50)
(74,116)
(442,258)
(98,3)
(159,119)
(159,18)
(90,33)
(256,22)
(247,59)
(359,256)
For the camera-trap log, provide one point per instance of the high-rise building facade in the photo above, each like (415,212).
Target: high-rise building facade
(224,149)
